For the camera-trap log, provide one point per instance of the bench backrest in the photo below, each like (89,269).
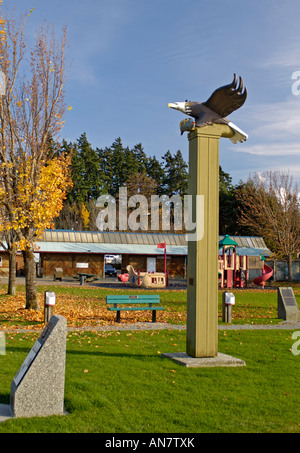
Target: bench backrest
(133,299)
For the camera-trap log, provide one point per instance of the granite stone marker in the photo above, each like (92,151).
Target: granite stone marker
(38,387)
(287,307)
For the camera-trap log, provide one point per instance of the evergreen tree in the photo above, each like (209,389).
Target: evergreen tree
(131,164)
(101,171)
(140,157)
(156,171)
(105,169)
(118,163)
(90,170)
(226,200)
(76,172)
(176,174)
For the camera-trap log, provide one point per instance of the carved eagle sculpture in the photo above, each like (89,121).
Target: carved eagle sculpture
(222,102)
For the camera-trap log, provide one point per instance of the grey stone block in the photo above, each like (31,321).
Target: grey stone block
(196,362)
(287,307)
(38,387)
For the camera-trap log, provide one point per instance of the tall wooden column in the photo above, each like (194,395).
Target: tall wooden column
(202,278)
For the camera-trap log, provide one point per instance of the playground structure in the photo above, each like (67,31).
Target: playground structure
(146,279)
(266,274)
(233,269)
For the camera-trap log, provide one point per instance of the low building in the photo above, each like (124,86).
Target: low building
(77,250)
(85,251)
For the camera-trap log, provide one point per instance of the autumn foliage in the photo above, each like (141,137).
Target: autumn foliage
(270,208)
(85,308)
(33,183)
(38,201)
(80,311)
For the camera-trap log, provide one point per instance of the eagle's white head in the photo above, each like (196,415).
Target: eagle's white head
(178,106)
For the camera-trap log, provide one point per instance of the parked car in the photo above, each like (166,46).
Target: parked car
(110,270)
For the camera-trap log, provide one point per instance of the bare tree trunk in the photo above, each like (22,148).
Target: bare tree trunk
(31,110)
(12,253)
(278,216)
(30,279)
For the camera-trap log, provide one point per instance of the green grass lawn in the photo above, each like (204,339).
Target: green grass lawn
(251,307)
(117,382)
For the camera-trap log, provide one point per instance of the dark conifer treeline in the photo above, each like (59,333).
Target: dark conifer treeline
(103,171)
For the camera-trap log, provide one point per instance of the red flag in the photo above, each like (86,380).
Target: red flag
(161,245)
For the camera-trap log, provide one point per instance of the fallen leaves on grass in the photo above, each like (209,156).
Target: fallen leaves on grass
(91,311)
(79,312)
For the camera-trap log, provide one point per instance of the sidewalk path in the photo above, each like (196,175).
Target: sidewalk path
(161,325)
(284,325)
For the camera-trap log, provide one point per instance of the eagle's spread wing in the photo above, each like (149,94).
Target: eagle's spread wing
(226,99)
(202,114)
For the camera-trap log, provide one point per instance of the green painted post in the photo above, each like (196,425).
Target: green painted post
(202,278)
(209,123)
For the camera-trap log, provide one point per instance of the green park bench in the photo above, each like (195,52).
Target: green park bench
(134,303)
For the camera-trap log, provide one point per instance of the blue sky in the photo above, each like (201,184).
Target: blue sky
(130,58)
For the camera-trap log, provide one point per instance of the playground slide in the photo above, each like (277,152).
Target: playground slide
(267,273)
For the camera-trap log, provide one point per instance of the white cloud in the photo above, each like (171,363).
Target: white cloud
(287,57)
(274,125)
(271,149)
(291,168)
(274,136)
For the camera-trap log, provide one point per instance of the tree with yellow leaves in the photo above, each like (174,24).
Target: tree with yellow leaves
(32,209)
(85,215)
(33,182)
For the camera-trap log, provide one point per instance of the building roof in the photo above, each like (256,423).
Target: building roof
(227,241)
(65,241)
(115,237)
(108,249)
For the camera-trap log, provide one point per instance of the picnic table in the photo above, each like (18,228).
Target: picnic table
(82,276)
